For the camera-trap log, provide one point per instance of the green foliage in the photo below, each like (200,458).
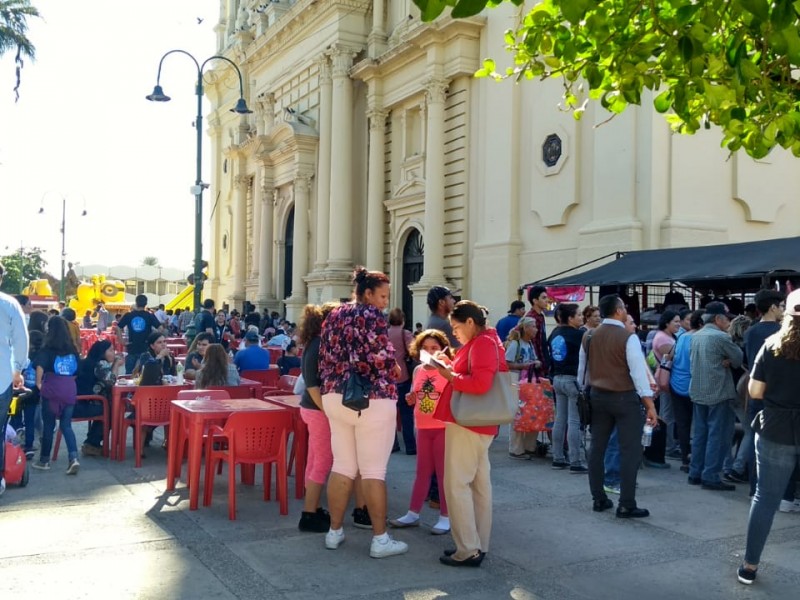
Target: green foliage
(150,261)
(13,33)
(21,268)
(731,63)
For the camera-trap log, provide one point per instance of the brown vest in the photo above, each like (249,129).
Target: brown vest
(608,363)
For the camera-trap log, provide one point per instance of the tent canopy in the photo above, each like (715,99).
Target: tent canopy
(749,261)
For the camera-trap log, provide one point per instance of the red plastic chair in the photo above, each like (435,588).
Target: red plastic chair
(152,405)
(267,377)
(105,418)
(253,438)
(286,383)
(274,354)
(204,394)
(295,372)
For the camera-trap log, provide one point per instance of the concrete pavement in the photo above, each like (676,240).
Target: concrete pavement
(113,532)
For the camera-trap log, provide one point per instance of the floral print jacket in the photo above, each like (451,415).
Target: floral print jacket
(356,336)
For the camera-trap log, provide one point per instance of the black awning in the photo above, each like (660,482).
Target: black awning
(694,265)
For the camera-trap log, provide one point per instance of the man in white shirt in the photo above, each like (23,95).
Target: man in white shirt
(13,358)
(280,339)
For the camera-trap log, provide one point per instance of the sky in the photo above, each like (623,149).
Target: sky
(82,129)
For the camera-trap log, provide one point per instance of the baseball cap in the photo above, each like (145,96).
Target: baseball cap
(793,304)
(251,336)
(438,292)
(718,308)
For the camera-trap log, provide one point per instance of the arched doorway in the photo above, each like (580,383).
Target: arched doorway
(288,255)
(413,253)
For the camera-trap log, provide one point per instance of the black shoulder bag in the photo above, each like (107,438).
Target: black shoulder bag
(355,394)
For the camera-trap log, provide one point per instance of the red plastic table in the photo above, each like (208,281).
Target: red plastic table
(194,414)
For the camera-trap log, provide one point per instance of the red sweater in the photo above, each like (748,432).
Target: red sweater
(474,366)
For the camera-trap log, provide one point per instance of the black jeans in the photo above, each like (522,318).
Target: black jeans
(620,409)
(683,409)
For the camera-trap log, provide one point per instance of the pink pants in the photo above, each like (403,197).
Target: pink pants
(430,458)
(320,455)
(361,443)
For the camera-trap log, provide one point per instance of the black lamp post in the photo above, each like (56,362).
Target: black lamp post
(61,284)
(197,189)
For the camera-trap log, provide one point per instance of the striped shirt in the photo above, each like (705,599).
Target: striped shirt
(712,382)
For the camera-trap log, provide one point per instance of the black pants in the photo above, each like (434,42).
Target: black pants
(683,410)
(620,409)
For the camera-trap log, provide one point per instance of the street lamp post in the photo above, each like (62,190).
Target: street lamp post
(61,285)
(198,187)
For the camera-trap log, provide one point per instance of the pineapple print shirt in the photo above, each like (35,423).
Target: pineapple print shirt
(428,385)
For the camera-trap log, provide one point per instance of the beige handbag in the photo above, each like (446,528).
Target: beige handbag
(496,407)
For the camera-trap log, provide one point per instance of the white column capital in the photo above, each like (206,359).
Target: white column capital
(342,60)
(436,90)
(302,181)
(324,66)
(377,118)
(240,182)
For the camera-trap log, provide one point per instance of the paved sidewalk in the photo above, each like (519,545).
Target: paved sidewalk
(112,532)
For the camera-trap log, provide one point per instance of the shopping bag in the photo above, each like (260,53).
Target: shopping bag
(536,410)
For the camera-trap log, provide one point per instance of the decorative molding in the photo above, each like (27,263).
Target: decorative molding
(341,60)
(242,182)
(324,67)
(377,118)
(436,90)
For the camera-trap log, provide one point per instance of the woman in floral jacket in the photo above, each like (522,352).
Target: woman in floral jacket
(355,337)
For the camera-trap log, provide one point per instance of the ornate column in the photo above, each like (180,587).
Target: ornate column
(341,218)
(433,268)
(266,113)
(256,234)
(239,234)
(376,40)
(266,243)
(324,165)
(302,183)
(375,188)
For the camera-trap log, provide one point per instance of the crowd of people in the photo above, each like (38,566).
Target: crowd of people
(676,394)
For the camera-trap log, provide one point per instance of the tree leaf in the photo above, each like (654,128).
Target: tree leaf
(468,8)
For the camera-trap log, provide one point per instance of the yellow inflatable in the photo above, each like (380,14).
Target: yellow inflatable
(109,291)
(39,288)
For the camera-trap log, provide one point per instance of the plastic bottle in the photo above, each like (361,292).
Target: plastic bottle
(647,435)
(179,374)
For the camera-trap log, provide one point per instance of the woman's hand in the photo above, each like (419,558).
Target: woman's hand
(411,398)
(396,370)
(651,417)
(444,372)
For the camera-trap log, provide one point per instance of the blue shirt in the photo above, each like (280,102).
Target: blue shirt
(681,376)
(505,325)
(252,358)
(13,340)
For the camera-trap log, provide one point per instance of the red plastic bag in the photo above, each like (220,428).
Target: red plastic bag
(16,466)
(536,410)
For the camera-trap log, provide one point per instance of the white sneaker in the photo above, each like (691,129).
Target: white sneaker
(74,465)
(334,539)
(387,547)
(789,507)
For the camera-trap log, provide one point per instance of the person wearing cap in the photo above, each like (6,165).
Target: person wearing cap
(712,355)
(253,357)
(775,379)
(507,323)
(441,302)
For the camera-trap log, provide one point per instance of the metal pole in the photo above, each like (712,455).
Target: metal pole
(198,199)
(61,296)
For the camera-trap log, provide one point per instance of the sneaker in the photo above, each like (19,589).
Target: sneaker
(522,456)
(559,465)
(746,576)
(314,522)
(89,450)
(788,506)
(361,518)
(381,548)
(41,466)
(674,454)
(334,539)
(29,454)
(611,489)
(2,485)
(74,465)
(578,470)
(734,477)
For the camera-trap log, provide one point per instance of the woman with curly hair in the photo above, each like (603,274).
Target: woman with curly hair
(354,342)
(217,370)
(775,379)
(320,458)
(427,385)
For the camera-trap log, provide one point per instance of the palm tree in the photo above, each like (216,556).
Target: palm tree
(150,261)
(13,29)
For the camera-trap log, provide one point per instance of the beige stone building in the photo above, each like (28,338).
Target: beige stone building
(371,143)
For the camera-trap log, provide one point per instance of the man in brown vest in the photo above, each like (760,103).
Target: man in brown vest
(618,379)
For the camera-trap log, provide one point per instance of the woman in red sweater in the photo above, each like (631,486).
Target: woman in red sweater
(467,481)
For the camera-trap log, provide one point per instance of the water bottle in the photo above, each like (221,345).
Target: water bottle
(647,435)
(179,372)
